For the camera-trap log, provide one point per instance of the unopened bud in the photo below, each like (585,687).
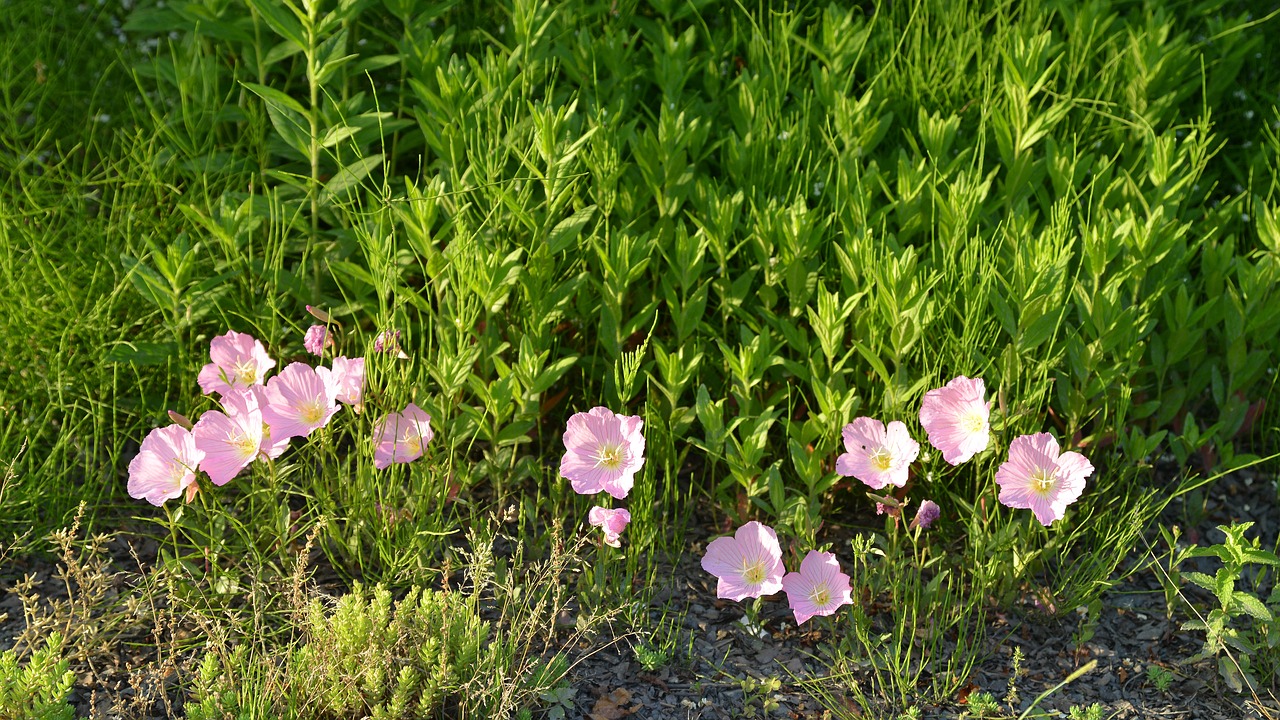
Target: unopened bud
(319,314)
(181,419)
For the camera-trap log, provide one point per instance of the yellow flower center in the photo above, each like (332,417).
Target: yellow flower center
(312,412)
(753,574)
(1043,481)
(413,442)
(244,445)
(820,595)
(246,373)
(610,457)
(974,423)
(881,459)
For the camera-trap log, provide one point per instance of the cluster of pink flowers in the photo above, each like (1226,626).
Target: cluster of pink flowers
(603,453)
(957,420)
(257,419)
(749,565)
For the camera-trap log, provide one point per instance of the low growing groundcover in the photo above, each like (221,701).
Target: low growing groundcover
(613,359)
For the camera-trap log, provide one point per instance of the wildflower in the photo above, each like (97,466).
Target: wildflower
(317,339)
(875,456)
(957,419)
(612,522)
(926,514)
(298,401)
(387,339)
(347,378)
(270,447)
(749,564)
(239,361)
(401,437)
(230,440)
(603,452)
(819,588)
(1038,478)
(165,466)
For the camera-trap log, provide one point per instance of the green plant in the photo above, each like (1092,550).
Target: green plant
(981,705)
(1092,712)
(759,695)
(38,688)
(1239,621)
(559,701)
(1161,678)
(651,658)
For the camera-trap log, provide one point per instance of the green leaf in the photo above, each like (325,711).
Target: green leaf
(271,96)
(276,16)
(873,360)
(566,231)
(350,176)
(148,282)
(1253,606)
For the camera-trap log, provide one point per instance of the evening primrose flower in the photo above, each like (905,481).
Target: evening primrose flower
(1038,478)
(299,401)
(820,588)
(603,452)
(401,437)
(877,456)
(229,440)
(239,361)
(165,466)
(315,339)
(926,514)
(749,564)
(612,522)
(347,378)
(957,419)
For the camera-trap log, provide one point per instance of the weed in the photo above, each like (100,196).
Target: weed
(1161,678)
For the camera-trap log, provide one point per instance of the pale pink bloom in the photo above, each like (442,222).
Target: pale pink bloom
(819,588)
(749,564)
(603,452)
(926,514)
(612,522)
(347,376)
(299,401)
(270,447)
(165,466)
(316,339)
(1038,478)
(875,456)
(957,419)
(239,361)
(386,339)
(229,440)
(401,437)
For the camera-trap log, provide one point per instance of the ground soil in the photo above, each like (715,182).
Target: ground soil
(727,672)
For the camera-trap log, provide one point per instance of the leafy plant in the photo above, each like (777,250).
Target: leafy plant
(38,688)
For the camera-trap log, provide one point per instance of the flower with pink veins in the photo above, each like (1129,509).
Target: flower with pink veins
(877,456)
(957,419)
(271,447)
(749,564)
(401,437)
(299,401)
(603,452)
(239,362)
(230,440)
(819,588)
(165,466)
(1039,478)
(612,522)
(347,376)
(316,339)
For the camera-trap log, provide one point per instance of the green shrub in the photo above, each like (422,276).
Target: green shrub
(38,689)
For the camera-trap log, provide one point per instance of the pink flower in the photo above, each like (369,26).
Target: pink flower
(874,456)
(926,514)
(271,448)
(819,588)
(347,377)
(165,466)
(613,522)
(230,440)
(299,401)
(402,436)
(316,339)
(386,339)
(749,564)
(239,361)
(1038,478)
(603,452)
(957,419)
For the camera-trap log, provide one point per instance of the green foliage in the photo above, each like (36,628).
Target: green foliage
(1091,712)
(1161,678)
(1240,629)
(38,688)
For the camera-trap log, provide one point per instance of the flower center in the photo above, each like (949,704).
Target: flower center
(881,460)
(1043,481)
(974,423)
(413,443)
(246,372)
(311,413)
(244,445)
(753,574)
(609,457)
(820,596)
